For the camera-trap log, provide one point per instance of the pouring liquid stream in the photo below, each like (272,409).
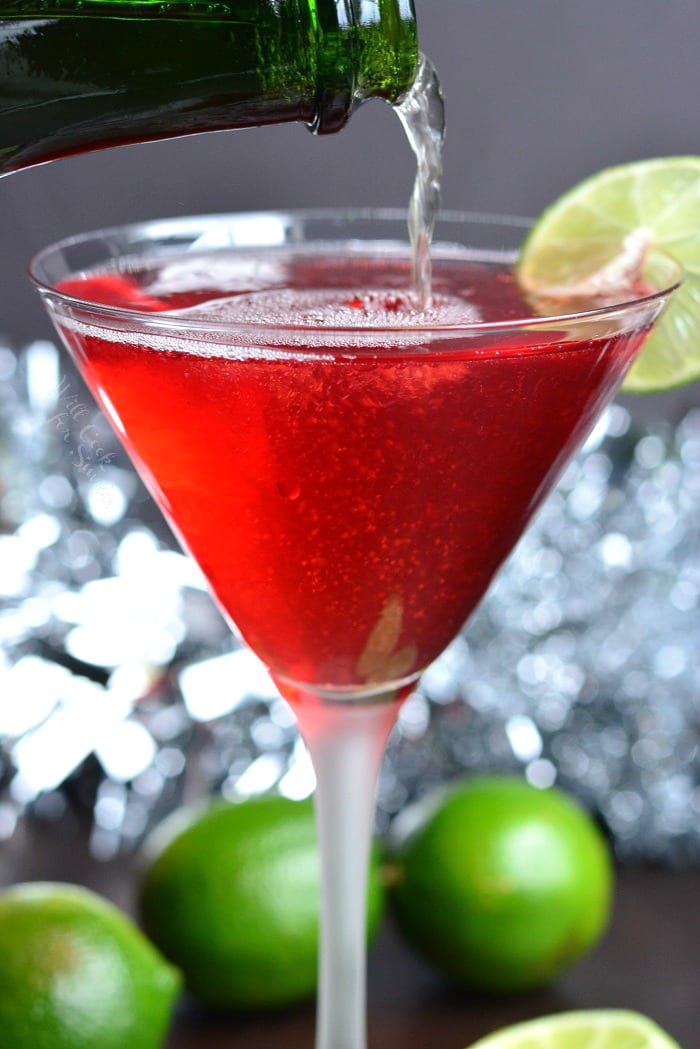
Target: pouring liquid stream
(422,114)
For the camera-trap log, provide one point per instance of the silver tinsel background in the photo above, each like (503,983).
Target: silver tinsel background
(122,694)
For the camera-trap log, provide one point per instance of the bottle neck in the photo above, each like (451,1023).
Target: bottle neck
(359,51)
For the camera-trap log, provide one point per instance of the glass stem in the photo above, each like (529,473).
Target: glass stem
(346,744)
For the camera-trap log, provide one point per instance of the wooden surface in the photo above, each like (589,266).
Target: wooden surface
(649,960)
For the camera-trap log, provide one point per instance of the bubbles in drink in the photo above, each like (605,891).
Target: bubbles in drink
(332,308)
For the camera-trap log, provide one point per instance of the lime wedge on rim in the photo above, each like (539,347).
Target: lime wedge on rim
(597,236)
(587,1029)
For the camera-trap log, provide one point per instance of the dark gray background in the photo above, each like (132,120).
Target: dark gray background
(540,93)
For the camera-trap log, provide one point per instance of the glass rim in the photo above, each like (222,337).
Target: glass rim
(170,321)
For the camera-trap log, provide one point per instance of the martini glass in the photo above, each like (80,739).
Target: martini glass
(348,472)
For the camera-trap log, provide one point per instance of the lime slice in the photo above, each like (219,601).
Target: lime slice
(598,237)
(588,1029)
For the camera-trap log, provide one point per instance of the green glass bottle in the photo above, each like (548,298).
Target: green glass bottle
(77,75)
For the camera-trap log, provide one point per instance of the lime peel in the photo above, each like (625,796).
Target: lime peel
(597,238)
(583,1029)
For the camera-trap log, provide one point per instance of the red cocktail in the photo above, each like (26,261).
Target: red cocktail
(348,472)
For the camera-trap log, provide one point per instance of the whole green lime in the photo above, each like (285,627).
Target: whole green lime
(75,973)
(231,896)
(501,885)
